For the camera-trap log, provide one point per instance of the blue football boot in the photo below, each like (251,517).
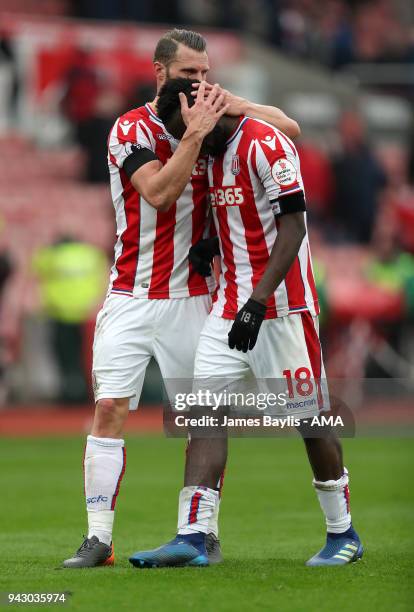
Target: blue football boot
(182,551)
(340,549)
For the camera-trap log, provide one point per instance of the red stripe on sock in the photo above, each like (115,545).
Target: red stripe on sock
(83,468)
(195,503)
(346,494)
(121,475)
(221,482)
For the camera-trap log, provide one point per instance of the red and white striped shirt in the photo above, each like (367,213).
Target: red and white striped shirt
(151,253)
(247,183)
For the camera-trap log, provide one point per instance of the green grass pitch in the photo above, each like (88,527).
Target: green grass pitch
(270,524)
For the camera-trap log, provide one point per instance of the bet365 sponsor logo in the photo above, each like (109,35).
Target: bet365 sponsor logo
(227,196)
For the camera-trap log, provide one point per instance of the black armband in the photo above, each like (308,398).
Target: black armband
(138,158)
(288,204)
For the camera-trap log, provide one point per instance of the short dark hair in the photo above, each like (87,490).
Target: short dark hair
(167,45)
(168,99)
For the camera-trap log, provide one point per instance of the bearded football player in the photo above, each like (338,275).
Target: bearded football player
(156,299)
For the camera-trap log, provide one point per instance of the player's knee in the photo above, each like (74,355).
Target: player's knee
(108,410)
(106,407)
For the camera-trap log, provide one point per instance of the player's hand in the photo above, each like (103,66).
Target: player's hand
(246,326)
(236,105)
(208,109)
(202,253)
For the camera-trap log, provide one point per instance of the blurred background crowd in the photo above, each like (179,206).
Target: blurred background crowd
(344,69)
(334,33)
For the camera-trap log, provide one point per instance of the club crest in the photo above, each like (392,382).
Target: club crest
(235,165)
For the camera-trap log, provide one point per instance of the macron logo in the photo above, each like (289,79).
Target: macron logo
(125,126)
(270,142)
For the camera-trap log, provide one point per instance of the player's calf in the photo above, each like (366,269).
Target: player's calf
(104,467)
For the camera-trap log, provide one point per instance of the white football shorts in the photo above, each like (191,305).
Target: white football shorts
(287,358)
(129,331)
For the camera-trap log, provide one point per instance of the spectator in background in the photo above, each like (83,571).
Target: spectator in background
(391,267)
(8,58)
(6,269)
(93,135)
(72,277)
(139,94)
(115,10)
(359,180)
(398,199)
(392,270)
(379,35)
(334,33)
(411,152)
(81,90)
(318,177)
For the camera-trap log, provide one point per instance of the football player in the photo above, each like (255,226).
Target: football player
(156,301)
(264,319)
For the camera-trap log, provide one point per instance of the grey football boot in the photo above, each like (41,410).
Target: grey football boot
(213,549)
(92,553)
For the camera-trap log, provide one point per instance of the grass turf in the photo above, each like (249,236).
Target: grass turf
(270,524)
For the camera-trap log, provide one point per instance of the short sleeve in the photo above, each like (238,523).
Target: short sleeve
(277,165)
(126,138)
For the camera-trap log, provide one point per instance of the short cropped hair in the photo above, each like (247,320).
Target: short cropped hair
(168,99)
(168,44)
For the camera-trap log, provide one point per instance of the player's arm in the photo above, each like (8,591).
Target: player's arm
(279,173)
(162,185)
(291,231)
(273,115)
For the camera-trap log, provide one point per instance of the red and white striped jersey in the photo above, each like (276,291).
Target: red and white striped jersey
(260,167)
(151,252)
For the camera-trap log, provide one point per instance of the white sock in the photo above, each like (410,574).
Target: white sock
(195,508)
(213,522)
(104,467)
(100,524)
(334,500)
